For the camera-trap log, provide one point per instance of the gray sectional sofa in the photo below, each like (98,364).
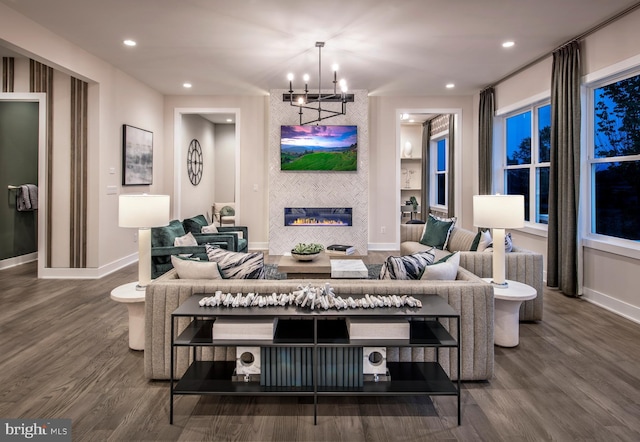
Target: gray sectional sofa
(521,265)
(468,294)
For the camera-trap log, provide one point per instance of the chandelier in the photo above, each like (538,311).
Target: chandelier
(314,101)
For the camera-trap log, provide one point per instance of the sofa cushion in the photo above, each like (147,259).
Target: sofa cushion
(436,231)
(445,269)
(195,224)
(460,240)
(237,265)
(406,267)
(186,240)
(195,269)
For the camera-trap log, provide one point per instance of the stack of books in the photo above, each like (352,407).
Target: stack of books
(379,328)
(243,329)
(340,249)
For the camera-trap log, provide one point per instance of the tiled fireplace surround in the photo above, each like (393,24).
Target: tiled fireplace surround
(318,189)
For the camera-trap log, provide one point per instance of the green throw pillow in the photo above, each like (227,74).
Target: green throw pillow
(437,231)
(227,211)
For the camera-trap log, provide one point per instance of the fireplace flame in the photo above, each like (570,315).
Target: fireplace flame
(317,222)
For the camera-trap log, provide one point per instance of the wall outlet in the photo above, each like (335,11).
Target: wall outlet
(383,229)
(135,236)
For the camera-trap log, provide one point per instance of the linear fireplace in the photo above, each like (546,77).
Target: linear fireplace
(318,216)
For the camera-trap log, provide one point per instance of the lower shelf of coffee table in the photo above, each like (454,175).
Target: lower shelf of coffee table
(407,378)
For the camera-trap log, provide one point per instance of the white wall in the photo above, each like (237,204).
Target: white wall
(114,99)
(251,135)
(225,176)
(197,200)
(611,274)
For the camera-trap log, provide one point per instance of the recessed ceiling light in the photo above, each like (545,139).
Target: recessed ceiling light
(412,121)
(186,85)
(508,44)
(229,120)
(450,86)
(129,43)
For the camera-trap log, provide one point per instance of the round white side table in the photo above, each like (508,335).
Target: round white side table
(507,311)
(134,299)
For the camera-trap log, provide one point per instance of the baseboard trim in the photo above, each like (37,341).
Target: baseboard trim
(258,246)
(88,273)
(620,308)
(17,260)
(383,247)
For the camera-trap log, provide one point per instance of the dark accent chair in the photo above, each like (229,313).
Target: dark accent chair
(162,240)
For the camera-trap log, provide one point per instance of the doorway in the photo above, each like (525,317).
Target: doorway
(215,132)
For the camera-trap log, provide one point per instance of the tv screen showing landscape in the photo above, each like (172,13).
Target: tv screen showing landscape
(329,148)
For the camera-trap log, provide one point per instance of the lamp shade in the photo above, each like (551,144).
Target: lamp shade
(143,211)
(498,211)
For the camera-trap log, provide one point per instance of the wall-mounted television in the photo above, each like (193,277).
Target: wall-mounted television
(311,148)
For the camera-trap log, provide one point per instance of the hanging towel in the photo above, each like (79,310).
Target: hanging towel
(27,198)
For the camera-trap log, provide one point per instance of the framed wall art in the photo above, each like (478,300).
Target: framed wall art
(137,156)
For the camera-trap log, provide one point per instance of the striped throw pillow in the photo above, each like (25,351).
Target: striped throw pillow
(237,265)
(407,266)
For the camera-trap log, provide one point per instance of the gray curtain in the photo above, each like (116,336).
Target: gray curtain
(564,173)
(485,141)
(424,196)
(451,199)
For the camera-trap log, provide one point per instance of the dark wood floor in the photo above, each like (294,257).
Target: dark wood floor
(64,354)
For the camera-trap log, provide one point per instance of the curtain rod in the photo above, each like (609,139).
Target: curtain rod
(582,36)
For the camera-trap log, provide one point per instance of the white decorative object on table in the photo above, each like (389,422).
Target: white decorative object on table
(134,299)
(507,311)
(348,268)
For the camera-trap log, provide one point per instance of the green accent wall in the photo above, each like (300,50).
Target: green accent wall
(18,165)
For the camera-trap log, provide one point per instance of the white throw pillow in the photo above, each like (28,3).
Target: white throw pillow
(485,240)
(209,229)
(190,269)
(443,271)
(186,240)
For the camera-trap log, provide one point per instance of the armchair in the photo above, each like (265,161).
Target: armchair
(240,233)
(224,213)
(162,243)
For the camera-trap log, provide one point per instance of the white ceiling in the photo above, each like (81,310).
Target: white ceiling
(389,47)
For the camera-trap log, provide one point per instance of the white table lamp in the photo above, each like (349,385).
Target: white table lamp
(143,212)
(498,212)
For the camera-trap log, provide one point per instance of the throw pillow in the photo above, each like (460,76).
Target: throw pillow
(481,241)
(194,224)
(186,240)
(237,265)
(445,269)
(227,211)
(209,229)
(406,267)
(508,244)
(192,269)
(485,240)
(436,231)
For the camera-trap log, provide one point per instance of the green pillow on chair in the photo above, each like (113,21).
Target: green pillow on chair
(436,231)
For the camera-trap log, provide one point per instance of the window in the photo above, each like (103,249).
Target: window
(526,159)
(614,158)
(439,160)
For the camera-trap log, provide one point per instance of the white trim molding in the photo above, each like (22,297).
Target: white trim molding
(621,308)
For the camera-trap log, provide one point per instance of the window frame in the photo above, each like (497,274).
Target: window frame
(612,244)
(501,168)
(433,171)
